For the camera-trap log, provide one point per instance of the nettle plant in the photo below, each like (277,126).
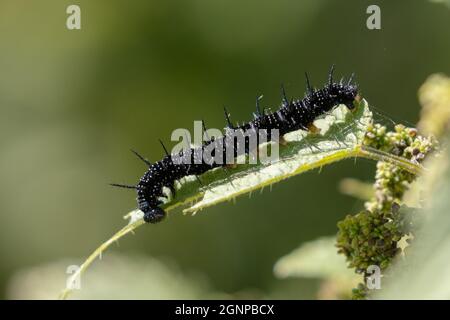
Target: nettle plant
(328,125)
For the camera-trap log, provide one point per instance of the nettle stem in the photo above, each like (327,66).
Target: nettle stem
(378,155)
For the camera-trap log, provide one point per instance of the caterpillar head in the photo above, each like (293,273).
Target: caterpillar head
(154,215)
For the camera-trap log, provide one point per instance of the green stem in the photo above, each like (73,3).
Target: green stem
(378,155)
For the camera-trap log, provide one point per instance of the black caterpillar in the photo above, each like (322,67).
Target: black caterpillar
(292,115)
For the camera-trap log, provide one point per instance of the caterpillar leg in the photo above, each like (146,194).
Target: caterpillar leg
(154,215)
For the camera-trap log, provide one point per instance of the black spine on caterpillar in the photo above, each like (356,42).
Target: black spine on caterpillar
(292,115)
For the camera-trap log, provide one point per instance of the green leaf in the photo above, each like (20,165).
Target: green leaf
(315,259)
(341,134)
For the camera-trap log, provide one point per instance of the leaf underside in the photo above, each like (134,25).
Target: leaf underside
(340,137)
(341,134)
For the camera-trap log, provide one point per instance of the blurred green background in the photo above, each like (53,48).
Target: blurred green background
(74,102)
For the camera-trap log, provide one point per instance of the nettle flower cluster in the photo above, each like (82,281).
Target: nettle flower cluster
(391,182)
(371,236)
